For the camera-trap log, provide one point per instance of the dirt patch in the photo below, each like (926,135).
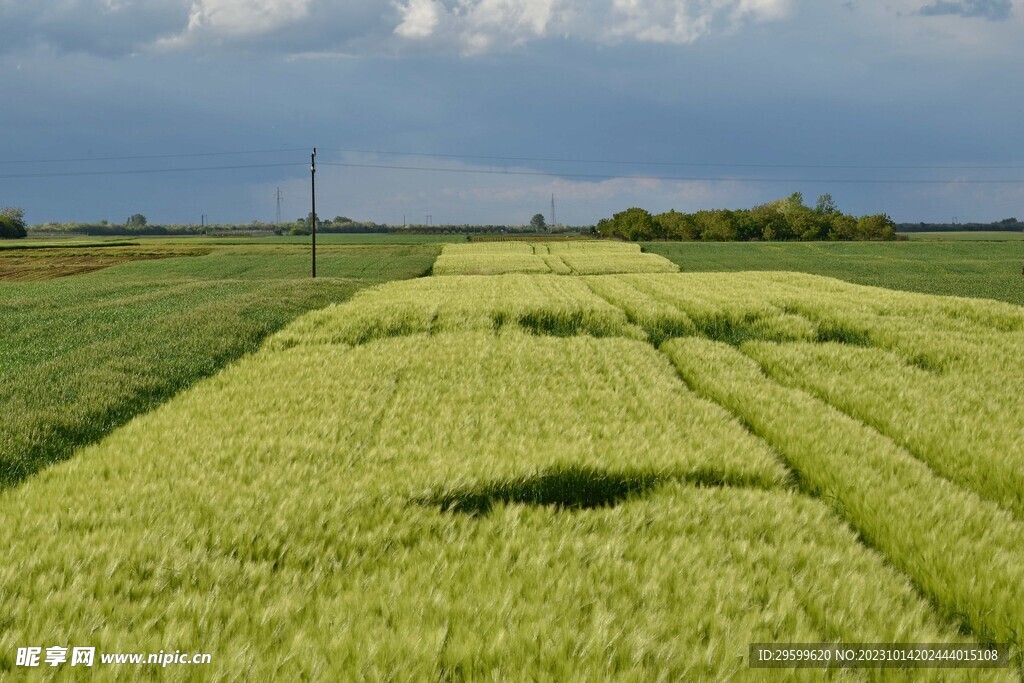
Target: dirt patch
(19,265)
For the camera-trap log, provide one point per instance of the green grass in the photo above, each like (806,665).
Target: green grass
(543,304)
(336,238)
(962,551)
(531,477)
(437,507)
(66,243)
(561,258)
(924,384)
(991,270)
(967,235)
(80,356)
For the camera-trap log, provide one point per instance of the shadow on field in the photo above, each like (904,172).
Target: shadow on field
(556,323)
(571,488)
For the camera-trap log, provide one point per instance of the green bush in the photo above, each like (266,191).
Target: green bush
(783,219)
(12,223)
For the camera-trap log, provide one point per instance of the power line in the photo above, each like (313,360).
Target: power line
(67,174)
(678,163)
(542,174)
(598,176)
(622,162)
(147,156)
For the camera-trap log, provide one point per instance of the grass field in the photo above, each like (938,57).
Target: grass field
(560,258)
(388,520)
(201,240)
(968,235)
(545,477)
(76,242)
(993,270)
(48,263)
(346,238)
(81,355)
(513,476)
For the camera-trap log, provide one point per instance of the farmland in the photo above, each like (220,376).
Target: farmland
(560,258)
(516,475)
(82,355)
(27,264)
(986,269)
(408,476)
(972,235)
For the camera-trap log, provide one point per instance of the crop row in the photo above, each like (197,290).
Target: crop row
(939,376)
(946,267)
(560,306)
(80,356)
(411,508)
(559,258)
(964,552)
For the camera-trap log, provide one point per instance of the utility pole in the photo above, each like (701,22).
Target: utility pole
(312,186)
(277,195)
(554,222)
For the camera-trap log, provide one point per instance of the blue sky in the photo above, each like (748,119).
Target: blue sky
(714,103)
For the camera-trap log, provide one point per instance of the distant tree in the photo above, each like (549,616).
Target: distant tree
(673,225)
(715,226)
(747,227)
(12,223)
(772,221)
(806,224)
(842,227)
(876,227)
(136,220)
(633,224)
(783,219)
(8,229)
(307,222)
(538,222)
(342,219)
(15,214)
(826,205)
(795,213)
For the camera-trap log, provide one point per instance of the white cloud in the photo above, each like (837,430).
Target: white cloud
(419,18)
(479,25)
(245,17)
(115,27)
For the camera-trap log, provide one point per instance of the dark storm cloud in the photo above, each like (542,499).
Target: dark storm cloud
(993,10)
(112,28)
(218,75)
(91,26)
(365,27)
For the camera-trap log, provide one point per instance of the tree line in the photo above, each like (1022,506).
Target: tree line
(138,226)
(1005,225)
(12,223)
(783,219)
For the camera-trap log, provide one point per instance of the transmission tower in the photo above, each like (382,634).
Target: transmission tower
(277,195)
(554,221)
